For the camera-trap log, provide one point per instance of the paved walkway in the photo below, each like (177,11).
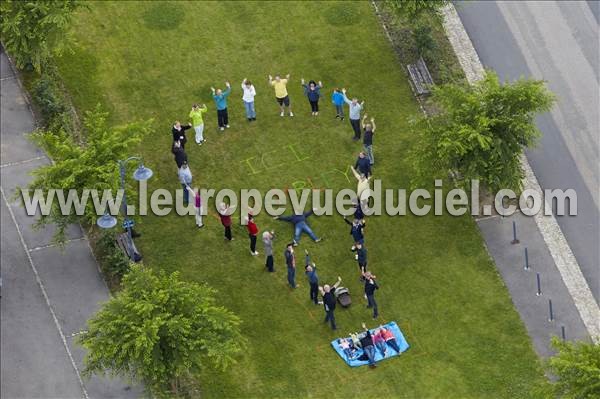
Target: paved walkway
(561,279)
(47,294)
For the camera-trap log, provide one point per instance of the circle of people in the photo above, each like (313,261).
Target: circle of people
(362,171)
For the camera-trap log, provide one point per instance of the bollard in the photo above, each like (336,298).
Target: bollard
(562,333)
(539,286)
(551,313)
(526,259)
(515,240)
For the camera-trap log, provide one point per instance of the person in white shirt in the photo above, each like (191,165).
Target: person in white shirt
(248,98)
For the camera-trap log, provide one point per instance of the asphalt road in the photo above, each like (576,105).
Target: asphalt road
(556,41)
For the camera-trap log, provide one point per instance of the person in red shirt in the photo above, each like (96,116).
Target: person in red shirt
(252,233)
(225,216)
(389,338)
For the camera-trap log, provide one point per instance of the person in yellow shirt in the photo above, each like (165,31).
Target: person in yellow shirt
(281,94)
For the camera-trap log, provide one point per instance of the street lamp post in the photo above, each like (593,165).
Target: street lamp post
(107,221)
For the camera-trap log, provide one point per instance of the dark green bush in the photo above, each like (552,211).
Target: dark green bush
(52,103)
(424,41)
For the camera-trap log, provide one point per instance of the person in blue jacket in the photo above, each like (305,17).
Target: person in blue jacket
(300,225)
(220,98)
(312,90)
(337,98)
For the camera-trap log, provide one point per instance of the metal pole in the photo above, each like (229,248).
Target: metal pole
(562,333)
(550,310)
(515,240)
(124,210)
(539,286)
(526,259)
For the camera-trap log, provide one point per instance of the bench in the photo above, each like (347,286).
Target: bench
(121,242)
(420,77)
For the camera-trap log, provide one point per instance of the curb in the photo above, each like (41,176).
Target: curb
(547,225)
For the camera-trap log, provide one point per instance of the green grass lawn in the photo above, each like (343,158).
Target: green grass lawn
(153,60)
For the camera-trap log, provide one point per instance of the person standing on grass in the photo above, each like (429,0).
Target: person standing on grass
(220,98)
(281,94)
(363,185)
(356,231)
(290,261)
(198,121)
(252,233)
(329,301)
(361,259)
(370,287)
(362,165)
(354,114)
(366,343)
(179,133)
(369,129)
(197,205)
(248,98)
(337,98)
(300,225)
(312,91)
(225,216)
(310,270)
(179,153)
(267,238)
(185,178)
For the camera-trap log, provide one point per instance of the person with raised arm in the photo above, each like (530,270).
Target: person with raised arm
(354,113)
(369,131)
(281,93)
(220,98)
(329,301)
(248,98)
(312,91)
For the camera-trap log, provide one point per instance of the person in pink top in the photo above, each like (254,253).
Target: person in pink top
(379,342)
(197,205)
(389,338)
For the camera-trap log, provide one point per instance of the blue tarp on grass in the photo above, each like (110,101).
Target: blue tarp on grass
(393,327)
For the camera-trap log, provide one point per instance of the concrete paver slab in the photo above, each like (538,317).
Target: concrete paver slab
(34,363)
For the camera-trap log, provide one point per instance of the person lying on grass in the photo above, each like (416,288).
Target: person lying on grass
(389,338)
(300,225)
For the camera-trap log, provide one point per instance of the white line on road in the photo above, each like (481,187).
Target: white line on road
(9,164)
(45,295)
(55,245)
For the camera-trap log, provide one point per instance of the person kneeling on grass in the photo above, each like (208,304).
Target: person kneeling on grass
(300,225)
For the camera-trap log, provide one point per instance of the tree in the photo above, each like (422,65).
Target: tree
(159,330)
(91,165)
(480,132)
(411,10)
(577,366)
(33,31)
